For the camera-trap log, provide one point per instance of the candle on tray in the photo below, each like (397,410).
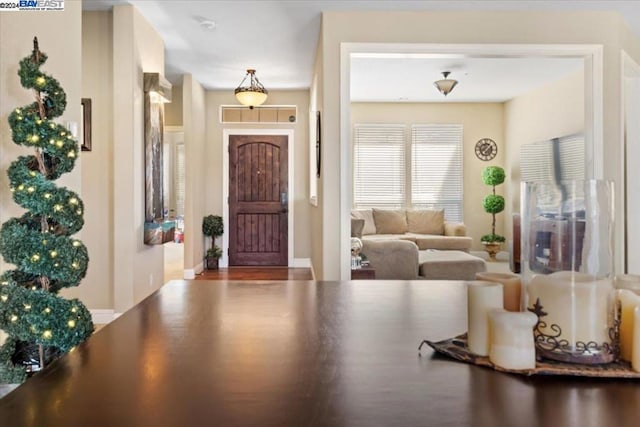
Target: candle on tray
(635,363)
(512,345)
(511,287)
(628,302)
(481,297)
(575,302)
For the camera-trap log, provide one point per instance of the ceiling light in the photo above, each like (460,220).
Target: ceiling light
(254,94)
(445,85)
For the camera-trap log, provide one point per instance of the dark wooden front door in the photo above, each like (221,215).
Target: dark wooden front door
(258,200)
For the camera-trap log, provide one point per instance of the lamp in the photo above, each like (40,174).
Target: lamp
(254,94)
(445,85)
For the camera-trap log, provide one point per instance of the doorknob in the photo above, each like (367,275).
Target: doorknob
(284,203)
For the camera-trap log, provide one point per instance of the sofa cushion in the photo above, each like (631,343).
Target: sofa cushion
(426,221)
(390,221)
(449,265)
(367,215)
(356,227)
(455,229)
(392,259)
(380,237)
(442,242)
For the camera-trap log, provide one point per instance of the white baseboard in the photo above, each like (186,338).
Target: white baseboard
(190,273)
(300,263)
(102,316)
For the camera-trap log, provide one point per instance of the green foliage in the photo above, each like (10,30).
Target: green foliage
(47,259)
(212,226)
(492,238)
(215,252)
(493,203)
(493,175)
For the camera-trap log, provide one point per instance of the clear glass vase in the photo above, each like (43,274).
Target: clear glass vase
(568,270)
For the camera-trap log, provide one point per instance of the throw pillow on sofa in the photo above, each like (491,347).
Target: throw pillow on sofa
(390,221)
(426,221)
(367,216)
(357,225)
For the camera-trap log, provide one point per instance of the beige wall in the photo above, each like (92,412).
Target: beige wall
(138,268)
(195,165)
(173,111)
(316,211)
(97,173)
(479,120)
(462,28)
(551,111)
(213,176)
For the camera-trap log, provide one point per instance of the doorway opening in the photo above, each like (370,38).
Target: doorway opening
(174,192)
(592,58)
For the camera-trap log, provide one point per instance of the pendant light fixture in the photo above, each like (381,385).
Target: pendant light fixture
(445,86)
(254,94)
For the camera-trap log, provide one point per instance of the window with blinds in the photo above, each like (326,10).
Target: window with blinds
(436,168)
(379,172)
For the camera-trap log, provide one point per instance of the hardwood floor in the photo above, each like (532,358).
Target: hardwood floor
(256,273)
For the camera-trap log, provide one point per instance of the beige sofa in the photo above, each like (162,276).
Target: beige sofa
(424,227)
(414,244)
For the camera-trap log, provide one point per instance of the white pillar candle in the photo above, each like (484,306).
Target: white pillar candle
(511,287)
(576,302)
(635,362)
(628,302)
(512,345)
(481,297)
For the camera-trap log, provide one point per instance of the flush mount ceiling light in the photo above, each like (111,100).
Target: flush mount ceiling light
(445,86)
(254,94)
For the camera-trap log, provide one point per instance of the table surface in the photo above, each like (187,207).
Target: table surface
(299,354)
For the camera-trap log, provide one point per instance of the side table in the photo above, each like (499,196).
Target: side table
(364,273)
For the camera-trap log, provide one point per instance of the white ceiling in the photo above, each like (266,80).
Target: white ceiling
(279,39)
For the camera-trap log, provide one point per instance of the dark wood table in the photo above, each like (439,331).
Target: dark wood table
(201,353)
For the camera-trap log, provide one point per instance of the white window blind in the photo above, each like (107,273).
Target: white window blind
(436,168)
(379,166)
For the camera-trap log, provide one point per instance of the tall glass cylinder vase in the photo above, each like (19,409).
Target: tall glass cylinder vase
(568,270)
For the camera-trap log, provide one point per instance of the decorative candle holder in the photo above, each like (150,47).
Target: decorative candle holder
(567,259)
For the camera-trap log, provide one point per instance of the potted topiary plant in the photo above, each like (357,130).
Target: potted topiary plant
(493,204)
(213,227)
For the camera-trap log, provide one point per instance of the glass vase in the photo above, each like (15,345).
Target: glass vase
(567,258)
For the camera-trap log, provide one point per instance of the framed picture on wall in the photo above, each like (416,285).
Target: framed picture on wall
(86,125)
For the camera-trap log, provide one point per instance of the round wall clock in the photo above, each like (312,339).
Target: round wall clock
(486,149)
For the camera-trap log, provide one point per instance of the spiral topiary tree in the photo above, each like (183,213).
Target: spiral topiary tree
(41,325)
(493,203)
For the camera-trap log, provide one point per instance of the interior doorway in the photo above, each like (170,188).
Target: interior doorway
(592,56)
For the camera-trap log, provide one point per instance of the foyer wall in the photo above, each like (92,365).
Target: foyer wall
(138,269)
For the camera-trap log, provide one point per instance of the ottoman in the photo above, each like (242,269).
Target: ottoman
(449,265)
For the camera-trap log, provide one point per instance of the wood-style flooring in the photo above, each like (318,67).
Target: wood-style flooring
(256,273)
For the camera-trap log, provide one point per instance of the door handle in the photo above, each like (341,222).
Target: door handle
(284,203)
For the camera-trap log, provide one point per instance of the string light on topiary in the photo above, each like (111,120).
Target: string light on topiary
(41,81)
(71,323)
